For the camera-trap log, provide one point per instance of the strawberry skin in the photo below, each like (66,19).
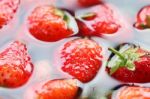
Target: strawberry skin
(143,18)
(82,59)
(47,23)
(86,3)
(136,68)
(7,10)
(92,23)
(133,92)
(140,75)
(15,66)
(57,89)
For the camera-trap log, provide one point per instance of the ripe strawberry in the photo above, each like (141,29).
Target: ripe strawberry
(7,10)
(143,18)
(15,66)
(47,23)
(133,92)
(130,64)
(86,3)
(92,23)
(55,89)
(81,58)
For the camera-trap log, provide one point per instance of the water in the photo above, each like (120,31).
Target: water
(44,55)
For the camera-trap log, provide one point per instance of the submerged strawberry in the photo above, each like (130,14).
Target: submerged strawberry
(7,10)
(82,59)
(15,66)
(143,18)
(56,89)
(130,64)
(97,20)
(132,92)
(86,3)
(47,23)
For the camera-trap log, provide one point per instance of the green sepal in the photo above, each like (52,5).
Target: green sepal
(125,59)
(147,24)
(59,12)
(62,15)
(148,21)
(88,15)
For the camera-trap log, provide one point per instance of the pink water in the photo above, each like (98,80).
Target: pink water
(44,55)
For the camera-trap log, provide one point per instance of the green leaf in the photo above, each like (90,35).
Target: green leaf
(148,21)
(63,15)
(147,24)
(59,12)
(143,26)
(130,65)
(125,59)
(88,15)
(132,56)
(115,67)
(66,18)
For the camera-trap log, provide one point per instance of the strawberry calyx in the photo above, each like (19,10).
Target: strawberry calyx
(124,59)
(69,20)
(148,21)
(144,25)
(62,14)
(89,16)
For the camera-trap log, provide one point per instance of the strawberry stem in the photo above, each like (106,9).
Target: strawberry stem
(117,53)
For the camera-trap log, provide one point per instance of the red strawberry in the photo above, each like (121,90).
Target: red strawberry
(55,89)
(81,59)
(97,20)
(7,10)
(86,3)
(143,18)
(15,66)
(130,64)
(47,23)
(132,92)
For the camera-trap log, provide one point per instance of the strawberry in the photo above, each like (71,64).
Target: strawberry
(86,3)
(15,66)
(143,18)
(133,92)
(91,22)
(56,89)
(7,10)
(130,64)
(81,58)
(47,23)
